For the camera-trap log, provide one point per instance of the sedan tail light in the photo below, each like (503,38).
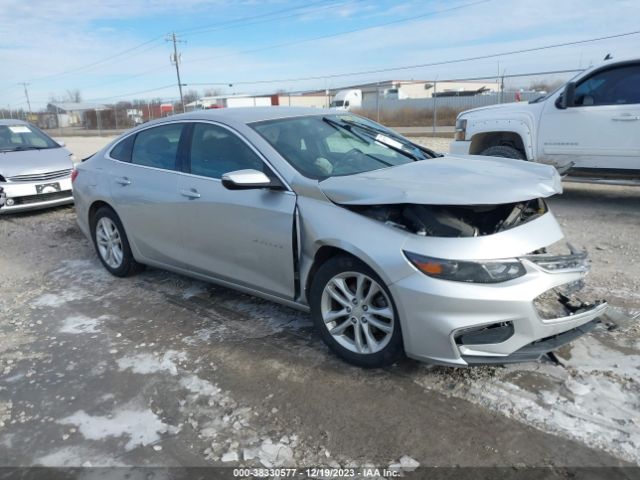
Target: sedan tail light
(74,175)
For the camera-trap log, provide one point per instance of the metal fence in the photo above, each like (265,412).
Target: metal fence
(429,111)
(453,102)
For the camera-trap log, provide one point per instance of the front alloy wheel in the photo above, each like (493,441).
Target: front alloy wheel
(354,313)
(357,312)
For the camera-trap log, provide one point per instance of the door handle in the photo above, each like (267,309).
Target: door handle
(626,118)
(193,193)
(124,181)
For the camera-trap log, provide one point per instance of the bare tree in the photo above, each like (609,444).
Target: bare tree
(546,86)
(190,96)
(211,92)
(74,95)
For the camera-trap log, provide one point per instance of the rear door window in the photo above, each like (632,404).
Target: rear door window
(158,147)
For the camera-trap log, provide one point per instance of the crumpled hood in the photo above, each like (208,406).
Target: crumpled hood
(449,180)
(29,162)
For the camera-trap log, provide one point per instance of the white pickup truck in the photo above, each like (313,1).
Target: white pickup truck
(589,129)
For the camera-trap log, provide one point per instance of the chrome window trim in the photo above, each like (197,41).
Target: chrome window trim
(260,155)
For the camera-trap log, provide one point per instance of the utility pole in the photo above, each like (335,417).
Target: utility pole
(435,106)
(175,59)
(26,94)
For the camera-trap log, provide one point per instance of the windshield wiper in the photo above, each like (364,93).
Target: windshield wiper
(394,141)
(342,126)
(24,147)
(365,138)
(380,136)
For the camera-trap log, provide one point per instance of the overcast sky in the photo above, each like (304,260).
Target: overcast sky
(66,44)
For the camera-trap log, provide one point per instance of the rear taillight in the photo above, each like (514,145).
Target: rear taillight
(74,175)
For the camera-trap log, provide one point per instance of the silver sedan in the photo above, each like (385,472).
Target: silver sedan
(35,170)
(392,248)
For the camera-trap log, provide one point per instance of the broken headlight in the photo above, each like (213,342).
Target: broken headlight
(465,271)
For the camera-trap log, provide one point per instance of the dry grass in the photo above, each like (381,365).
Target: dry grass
(412,117)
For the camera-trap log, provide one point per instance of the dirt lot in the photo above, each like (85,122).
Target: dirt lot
(159,369)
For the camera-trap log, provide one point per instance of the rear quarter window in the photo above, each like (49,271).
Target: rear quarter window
(157,147)
(122,150)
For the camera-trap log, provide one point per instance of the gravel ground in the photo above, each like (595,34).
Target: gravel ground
(159,369)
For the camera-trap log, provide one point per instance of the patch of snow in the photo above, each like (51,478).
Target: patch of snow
(196,385)
(275,454)
(76,457)
(54,300)
(230,456)
(78,324)
(143,427)
(595,399)
(194,290)
(5,412)
(147,363)
(406,464)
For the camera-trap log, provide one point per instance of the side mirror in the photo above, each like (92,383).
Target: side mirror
(248,179)
(568,97)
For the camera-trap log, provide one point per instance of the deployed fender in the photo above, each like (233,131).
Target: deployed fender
(519,126)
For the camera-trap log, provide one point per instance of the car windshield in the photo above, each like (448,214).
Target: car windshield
(326,146)
(18,137)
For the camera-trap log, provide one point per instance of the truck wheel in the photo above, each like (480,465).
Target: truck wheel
(503,151)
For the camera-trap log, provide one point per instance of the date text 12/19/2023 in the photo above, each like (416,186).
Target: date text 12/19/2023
(316,472)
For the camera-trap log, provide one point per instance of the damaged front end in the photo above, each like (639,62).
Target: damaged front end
(561,311)
(454,220)
(563,301)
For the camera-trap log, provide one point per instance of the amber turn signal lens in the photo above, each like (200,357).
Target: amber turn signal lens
(431,268)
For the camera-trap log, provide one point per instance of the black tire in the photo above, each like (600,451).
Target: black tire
(393,350)
(504,151)
(128,266)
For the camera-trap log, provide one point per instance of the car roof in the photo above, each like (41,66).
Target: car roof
(11,121)
(249,114)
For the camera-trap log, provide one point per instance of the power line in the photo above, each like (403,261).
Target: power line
(231,23)
(384,70)
(165,87)
(98,62)
(192,31)
(402,20)
(423,65)
(339,34)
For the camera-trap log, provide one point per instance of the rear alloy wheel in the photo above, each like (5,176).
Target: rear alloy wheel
(355,314)
(112,244)
(504,151)
(109,242)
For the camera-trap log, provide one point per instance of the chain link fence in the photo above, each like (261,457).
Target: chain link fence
(442,106)
(429,104)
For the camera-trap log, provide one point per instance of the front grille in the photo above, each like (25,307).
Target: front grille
(549,305)
(40,177)
(561,302)
(43,197)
